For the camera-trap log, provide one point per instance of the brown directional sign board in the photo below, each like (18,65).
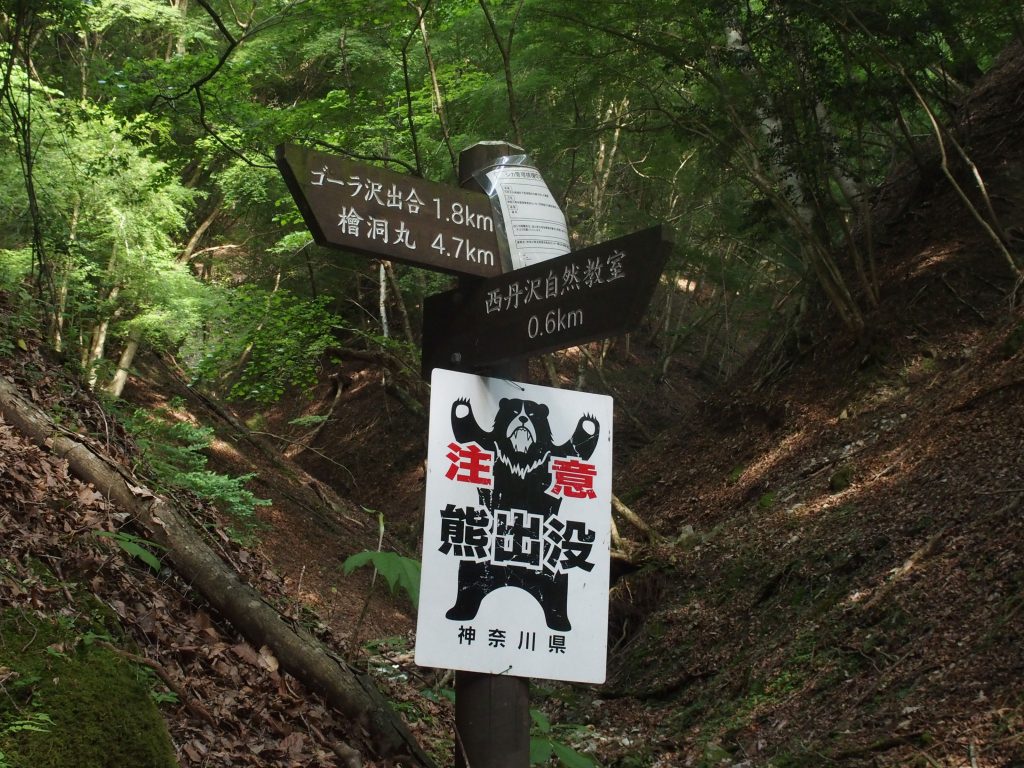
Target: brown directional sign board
(589,294)
(374,211)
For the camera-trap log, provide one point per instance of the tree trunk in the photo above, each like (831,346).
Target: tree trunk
(396,291)
(63,280)
(98,345)
(116,386)
(382,301)
(442,116)
(204,225)
(300,654)
(506,61)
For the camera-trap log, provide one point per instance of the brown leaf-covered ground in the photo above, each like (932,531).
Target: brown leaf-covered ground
(234,706)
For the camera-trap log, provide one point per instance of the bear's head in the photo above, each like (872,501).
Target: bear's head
(521,432)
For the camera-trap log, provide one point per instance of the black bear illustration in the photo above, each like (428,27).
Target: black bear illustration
(523,447)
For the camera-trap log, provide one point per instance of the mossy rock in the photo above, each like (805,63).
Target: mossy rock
(94,708)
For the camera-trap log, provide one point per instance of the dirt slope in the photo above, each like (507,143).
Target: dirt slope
(845,579)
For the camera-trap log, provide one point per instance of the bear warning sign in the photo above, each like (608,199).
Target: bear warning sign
(517,530)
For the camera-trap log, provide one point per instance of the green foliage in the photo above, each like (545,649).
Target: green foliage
(311,420)
(762,151)
(265,341)
(401,573)
(546,743)
(17,317)
(34,722)
(135,546)
(172,448)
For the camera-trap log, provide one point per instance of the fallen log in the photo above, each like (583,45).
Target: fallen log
(301,655)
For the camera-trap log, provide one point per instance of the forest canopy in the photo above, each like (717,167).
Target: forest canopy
(143,207)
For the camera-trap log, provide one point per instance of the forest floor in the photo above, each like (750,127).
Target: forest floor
(837,576)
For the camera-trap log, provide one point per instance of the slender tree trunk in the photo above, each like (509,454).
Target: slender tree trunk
(20,46)
(98,341)
(435,87)
(179,40)
(124,363)
(98,344)
(403,312)
(63,279)
(505,47)
(604,164)
(204,225)
(382,300)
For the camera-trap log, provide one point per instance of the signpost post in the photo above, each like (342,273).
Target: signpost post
(492,712)
(489,325)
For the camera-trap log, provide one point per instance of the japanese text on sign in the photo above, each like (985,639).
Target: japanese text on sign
(376,211)
(572,278)
(398,199)
(518,495)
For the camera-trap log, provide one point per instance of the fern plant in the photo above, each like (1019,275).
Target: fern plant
(38,722)
(173,451)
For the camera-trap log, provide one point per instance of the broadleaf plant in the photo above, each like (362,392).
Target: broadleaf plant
(400,572)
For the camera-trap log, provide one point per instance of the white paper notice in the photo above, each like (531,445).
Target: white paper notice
(534,224)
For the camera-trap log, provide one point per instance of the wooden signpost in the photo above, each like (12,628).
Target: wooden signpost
(590,294)
(377,212)
(489,325)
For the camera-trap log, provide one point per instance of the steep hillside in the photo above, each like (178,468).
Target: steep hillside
(842,578)
(836,573)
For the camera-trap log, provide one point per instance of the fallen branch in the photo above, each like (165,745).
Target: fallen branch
(924,551)
(301,655)
(191,704)
(635,520)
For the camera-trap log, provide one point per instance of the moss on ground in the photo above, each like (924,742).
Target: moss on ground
(70,703)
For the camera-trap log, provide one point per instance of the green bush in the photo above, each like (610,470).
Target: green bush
(173,451)
(260,343)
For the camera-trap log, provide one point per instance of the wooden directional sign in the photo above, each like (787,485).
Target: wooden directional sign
(370,210)
(590,294)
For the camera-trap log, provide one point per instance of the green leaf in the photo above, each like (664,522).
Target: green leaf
(135,547)
(136,550)
(540,720)
(570,758)
(540,750)
(399,572)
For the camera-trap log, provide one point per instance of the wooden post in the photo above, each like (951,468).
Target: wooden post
(492,712)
